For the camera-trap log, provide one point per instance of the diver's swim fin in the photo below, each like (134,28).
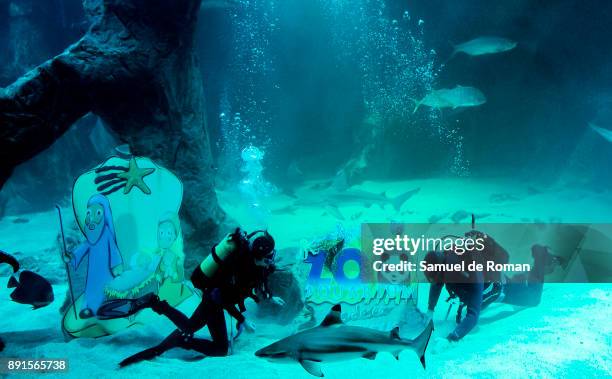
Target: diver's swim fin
(9,259)
(170,342)
(120,308)
(117,308)
(145,355)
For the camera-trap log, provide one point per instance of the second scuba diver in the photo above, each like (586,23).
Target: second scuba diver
(236,269)
(521,289)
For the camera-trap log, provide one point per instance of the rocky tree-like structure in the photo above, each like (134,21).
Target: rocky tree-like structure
(136,69)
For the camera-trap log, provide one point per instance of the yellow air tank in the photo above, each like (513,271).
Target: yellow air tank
(221,253)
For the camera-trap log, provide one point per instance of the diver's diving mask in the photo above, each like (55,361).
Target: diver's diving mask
(261,245)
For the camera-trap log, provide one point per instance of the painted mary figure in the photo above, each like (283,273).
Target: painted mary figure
(104,258)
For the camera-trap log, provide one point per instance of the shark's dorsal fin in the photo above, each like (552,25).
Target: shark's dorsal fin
(333,317)
(370,355)
(394,333)
(312,367)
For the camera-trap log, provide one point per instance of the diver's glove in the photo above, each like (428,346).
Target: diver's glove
(277,301)
(248,326)
(242,326)
(452,337)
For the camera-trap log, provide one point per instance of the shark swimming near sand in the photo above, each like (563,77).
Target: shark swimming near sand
(333,340)
(328,196)
(333,196)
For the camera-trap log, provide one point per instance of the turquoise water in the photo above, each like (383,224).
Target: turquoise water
(324,116)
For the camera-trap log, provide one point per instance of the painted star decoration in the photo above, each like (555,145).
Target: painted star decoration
(134,177)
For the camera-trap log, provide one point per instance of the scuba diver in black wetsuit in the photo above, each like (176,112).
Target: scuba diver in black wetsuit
(525,289)
(469,287)
(236,269)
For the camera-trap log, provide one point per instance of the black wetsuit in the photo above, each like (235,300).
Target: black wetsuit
(468,287)
(526,289)
(521,290)
(227,291)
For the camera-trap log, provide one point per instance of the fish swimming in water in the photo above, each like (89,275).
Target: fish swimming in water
(456,97)
(30,288)
(605,133)
(484,45)
(334,340)
(336,195)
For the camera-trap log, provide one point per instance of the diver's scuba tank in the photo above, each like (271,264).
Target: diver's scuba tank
(257,245)
(223,252)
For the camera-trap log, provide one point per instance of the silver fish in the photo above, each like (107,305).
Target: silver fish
(484,45)
(452,98)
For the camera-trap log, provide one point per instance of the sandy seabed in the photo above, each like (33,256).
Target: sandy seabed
(568,335)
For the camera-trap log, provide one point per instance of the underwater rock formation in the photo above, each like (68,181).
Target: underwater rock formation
(24,47)
(137,70)
(28,36)
(56,168)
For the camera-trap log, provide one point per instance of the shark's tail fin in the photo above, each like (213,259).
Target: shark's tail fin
(420,343)
(417,104)
(399,200)
(605,133)
(445,62)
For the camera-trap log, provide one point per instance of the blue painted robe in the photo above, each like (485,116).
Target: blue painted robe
(103,256)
